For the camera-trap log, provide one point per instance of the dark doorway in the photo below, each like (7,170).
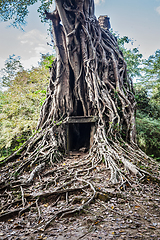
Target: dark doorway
(79,136)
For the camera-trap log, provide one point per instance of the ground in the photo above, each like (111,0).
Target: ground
(113,214)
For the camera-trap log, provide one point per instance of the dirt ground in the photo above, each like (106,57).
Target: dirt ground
(130,214)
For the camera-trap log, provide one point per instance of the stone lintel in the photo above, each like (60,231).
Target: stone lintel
(82,119)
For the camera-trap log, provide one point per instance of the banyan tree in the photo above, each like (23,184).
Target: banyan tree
(89,88)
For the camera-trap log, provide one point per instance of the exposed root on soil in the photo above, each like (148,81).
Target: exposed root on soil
(71,183)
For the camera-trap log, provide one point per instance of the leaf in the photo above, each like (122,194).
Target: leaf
(96,222)
(45,205)
(151,227)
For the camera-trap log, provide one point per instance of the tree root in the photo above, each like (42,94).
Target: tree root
(80,177)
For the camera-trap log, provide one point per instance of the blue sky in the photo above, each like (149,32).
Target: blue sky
(138,19)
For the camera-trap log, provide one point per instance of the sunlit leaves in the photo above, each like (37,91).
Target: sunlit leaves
(151,76)
(132,57)
(47,60)
(20,105)
(8,73)
(148,132)
(148,104)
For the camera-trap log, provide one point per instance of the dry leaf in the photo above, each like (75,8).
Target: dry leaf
(45,205)
(137,206)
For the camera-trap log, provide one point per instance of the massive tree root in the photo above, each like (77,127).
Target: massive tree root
(88,78)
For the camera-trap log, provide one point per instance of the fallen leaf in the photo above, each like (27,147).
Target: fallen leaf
(151,227)
(45,205)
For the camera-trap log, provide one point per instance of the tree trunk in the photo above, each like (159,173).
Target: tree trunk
(89,71)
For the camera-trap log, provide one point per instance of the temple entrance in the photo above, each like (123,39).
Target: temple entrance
(79,136)
(80,132)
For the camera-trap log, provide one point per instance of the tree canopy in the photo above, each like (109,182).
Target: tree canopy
(11,67)
(148,105)
(132,57)
(17,11)
(151,76)
(20,103)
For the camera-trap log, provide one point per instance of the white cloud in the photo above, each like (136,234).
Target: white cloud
(32,44)
(28,63)
(158,9)
(40,49)
(98,1)
(24,41)
(33,36)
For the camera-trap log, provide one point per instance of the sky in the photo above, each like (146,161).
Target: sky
(138,19)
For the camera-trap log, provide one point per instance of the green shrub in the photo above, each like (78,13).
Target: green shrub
(148,135)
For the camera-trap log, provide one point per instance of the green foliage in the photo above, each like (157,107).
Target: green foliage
(8,73)
(145,104)
(47,60)
(148,134)
(148,105)
(17,11)
(152,68)
(151,76)
(20,106)
(132,56)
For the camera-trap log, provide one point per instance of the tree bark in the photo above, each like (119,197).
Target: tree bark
(89,71)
